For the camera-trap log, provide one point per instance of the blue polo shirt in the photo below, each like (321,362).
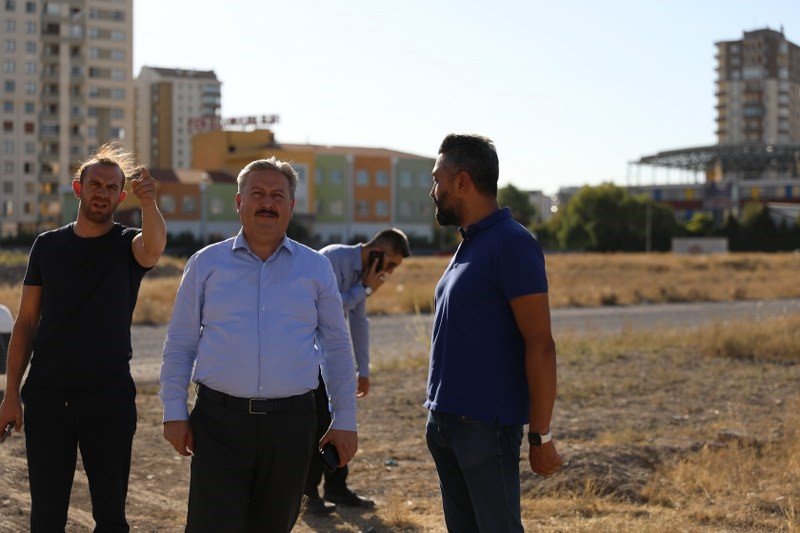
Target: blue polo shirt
(477,366)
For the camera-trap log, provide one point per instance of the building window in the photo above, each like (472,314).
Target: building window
(318,176)
(118,133)
(8,208)
(9,86)
(117,74)
(30,67)
(362,208)
(10,45)
(30,47)
(8,106)
(9,66)
(8,187)
(8,167)
(424,180)
(30,187)
(336,207)
(217,206)
(11,5)
(27,168)
(30,87)
(30,28)
(8,147)
(335,177)
(10,26)
(8,126)
(117,35)
(30,108)
(382,208)
(30,7)
(189,204)
(29,127)
(30,147)
(118,94)
(167,203)
(405,179)
(382,178)
(362,178)
(53,8)
(405,208)
(118,55)
(117,113)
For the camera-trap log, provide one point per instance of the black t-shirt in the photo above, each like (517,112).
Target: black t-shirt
(89,290)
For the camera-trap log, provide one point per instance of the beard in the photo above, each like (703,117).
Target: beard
(97,216)
(446,215)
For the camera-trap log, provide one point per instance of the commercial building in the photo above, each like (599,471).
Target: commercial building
(66,89)
(169,103)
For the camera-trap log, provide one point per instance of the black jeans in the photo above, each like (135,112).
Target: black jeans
(248,470)
(336,481)
(100,422)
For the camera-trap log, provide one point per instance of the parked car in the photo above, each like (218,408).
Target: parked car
(6,323)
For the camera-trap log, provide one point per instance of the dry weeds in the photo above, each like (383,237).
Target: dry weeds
(659,436)
(582,280)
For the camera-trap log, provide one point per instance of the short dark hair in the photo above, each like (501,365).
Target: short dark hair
(392,238)
(476,155)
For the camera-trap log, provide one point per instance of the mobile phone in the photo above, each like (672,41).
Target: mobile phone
(376,254)
(330,457)
(6,431)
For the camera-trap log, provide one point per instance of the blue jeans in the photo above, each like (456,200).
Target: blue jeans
(478,467)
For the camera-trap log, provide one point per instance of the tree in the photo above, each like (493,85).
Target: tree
(607,218)
(701,224)
(517,201)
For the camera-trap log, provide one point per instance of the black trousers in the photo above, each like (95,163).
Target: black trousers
(248,470)
(335,481)
(101,423)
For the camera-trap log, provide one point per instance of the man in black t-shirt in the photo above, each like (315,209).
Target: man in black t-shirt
(73,327)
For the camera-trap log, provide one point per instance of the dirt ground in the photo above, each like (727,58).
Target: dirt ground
(623,415)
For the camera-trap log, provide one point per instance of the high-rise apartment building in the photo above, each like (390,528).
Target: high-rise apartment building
(169,103)
(66,89)
(758,89)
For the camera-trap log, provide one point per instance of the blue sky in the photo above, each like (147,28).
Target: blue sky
(570,91)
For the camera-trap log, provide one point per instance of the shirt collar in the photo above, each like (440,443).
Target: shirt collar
(240,243)
(354,256)
(491,220)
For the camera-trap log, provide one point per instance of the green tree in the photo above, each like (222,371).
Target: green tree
(607,218)
(517,201)
(701,224)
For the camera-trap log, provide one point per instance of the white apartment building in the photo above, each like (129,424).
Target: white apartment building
(168,102)
(66,89)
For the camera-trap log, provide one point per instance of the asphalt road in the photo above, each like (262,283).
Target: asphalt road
(409,335)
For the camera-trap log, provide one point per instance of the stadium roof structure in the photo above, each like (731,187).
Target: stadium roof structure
(732,157)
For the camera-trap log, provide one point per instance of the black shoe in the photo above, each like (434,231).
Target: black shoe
(348,498)
(316,505)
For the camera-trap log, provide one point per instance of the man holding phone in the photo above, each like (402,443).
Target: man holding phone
(360,270)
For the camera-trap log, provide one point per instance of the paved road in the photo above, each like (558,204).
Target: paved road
(409,335)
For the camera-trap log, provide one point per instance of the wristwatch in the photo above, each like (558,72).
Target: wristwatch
(368,290)
(537,439)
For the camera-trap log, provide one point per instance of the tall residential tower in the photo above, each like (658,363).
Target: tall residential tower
(66,89)
(168,101)
(758,89)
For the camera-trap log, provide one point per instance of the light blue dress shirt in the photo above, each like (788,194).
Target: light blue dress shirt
(258,329)
(346,263)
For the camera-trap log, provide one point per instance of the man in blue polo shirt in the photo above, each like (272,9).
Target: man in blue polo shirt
(493,359)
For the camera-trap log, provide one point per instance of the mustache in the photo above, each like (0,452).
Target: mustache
(268,212)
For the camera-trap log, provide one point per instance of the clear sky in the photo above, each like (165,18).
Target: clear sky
(570,91)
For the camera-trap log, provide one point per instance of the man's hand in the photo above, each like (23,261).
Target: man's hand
(11,411)
(372,278)
(363,387)
(346,443)
(545,460)
(179,434)
(143,185)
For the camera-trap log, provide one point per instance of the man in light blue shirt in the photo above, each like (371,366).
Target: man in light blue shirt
(360,270)
(255,318)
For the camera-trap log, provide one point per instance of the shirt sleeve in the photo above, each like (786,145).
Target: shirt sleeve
(337,367)
(359,333)
(354,296)
(180,347)
(33,275)
(520,266)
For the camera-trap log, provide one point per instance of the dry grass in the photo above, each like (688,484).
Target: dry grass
(575,280)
